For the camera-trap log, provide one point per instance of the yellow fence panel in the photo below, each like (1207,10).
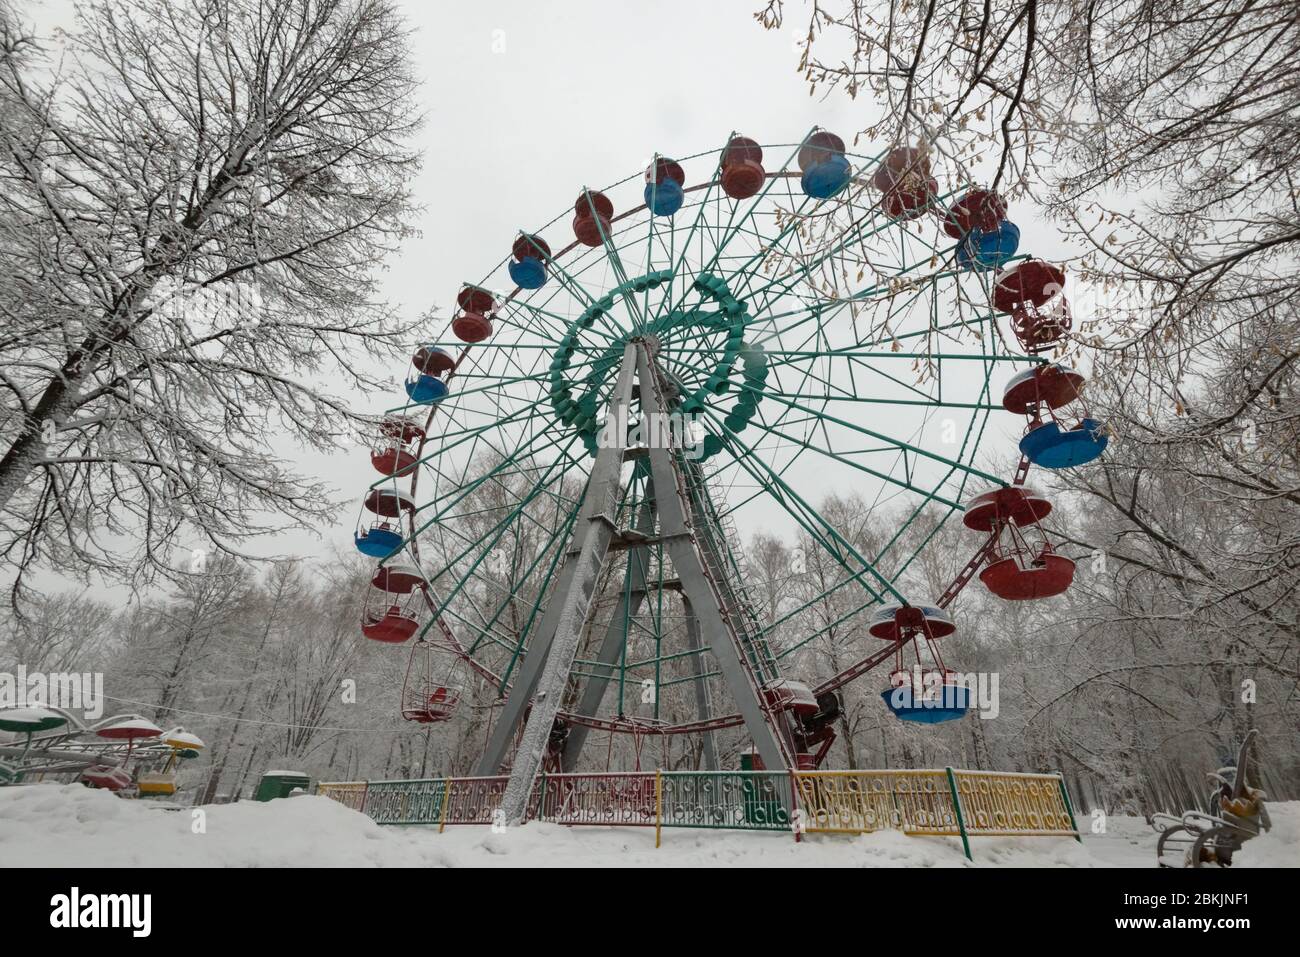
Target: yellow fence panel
(914,802)
(348,793)
(999,803)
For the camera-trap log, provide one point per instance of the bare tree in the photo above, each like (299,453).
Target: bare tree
(194,200)
(1160,134)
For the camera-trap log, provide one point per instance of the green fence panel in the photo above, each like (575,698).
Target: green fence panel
(406,802)
(740,800)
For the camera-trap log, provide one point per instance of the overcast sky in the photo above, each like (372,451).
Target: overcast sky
(528,101)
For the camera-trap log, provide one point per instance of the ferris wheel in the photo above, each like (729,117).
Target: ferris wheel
(732,334)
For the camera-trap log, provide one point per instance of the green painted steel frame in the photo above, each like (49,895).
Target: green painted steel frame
(803,404)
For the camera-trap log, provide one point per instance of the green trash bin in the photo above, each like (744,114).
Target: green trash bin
(279,784)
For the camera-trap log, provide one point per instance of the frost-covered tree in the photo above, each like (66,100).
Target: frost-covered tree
(1161,135)
(193,200)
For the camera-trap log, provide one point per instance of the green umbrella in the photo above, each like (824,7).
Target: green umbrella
(28,721)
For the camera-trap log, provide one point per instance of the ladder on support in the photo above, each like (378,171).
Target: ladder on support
(1022,471)
(965,575)
(719,542)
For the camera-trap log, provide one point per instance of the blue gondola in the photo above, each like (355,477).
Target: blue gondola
(989,249)
(528,273)
(664,198)
(823,180)
(378,542)
(426,389)
(950,705)
(1052,447)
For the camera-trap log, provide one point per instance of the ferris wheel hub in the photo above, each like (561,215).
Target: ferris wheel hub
(703,317)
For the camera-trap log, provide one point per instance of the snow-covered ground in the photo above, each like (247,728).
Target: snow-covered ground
(69,825)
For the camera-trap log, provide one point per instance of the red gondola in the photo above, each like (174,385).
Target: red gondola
(394,451)
(786,694)
(1015,579)
(527,246)
(431,691)
(392,624)
(108,778)
(1023,564)
(980,209)
(593,213)
(393,604)
(742,168)
(906,186)
(473,323)
(475,299)
(1032,293)
(433,361)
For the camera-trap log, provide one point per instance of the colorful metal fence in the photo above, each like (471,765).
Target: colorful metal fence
(947,803)
(473,800)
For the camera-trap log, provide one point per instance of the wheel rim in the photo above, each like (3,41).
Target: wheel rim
(759,338)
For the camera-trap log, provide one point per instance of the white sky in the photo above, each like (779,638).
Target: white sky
(529,101)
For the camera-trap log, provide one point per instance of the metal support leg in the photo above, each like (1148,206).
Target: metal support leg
(525,684)
(569,605)
(545,671)
(723,644)
(611,646)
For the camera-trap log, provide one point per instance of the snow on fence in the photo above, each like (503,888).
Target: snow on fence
(946,802)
